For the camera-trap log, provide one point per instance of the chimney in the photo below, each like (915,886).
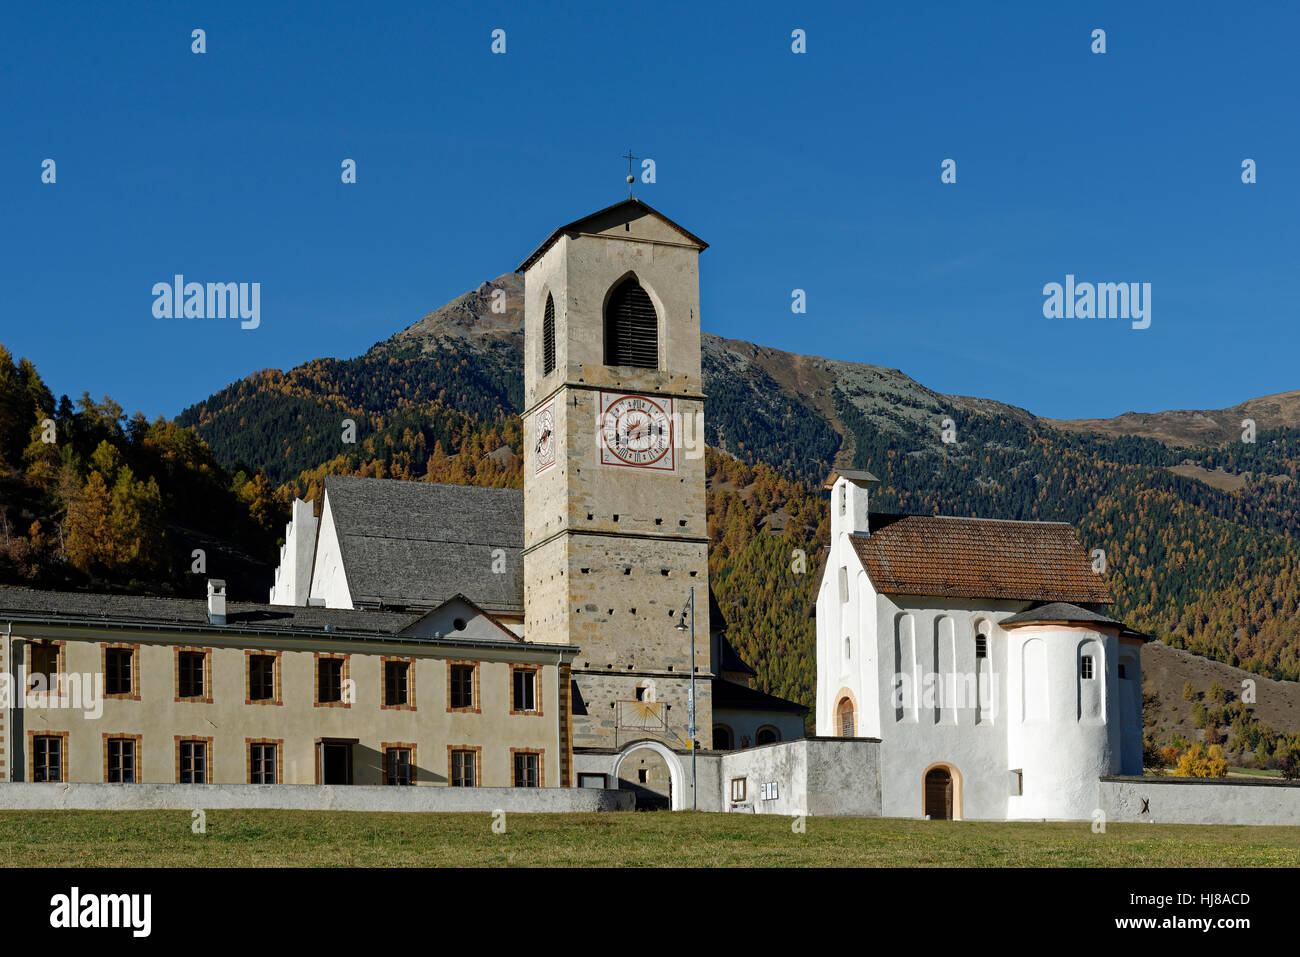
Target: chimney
(216,601)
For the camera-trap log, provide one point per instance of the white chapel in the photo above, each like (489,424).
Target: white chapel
(979,653)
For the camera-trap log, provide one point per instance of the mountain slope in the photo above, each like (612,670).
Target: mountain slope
(1188,427)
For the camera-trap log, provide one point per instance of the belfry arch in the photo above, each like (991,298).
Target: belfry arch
(631,323)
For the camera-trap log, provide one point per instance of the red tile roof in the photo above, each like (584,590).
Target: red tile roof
(980,558)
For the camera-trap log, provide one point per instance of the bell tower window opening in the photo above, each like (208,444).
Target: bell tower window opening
(548,337)
(631,327)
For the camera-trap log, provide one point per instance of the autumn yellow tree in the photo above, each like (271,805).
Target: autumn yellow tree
(1197,762)
(135,517)
(89,539)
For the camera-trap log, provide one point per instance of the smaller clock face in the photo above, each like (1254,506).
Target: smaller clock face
(636,431)
(544,438)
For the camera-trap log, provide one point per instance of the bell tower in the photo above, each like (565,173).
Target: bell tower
(615,525)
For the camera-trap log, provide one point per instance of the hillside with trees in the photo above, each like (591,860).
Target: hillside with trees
(92,499)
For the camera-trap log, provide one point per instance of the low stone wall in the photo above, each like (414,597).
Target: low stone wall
(306,797)
(1200,800)
(836,777)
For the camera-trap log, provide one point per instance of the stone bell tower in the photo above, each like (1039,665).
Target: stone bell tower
(615,526)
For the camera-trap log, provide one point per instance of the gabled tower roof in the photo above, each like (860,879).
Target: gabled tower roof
(629,208)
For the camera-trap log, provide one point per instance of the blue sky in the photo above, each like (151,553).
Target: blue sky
(818,171)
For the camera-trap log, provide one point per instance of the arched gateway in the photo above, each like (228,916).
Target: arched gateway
(676,789)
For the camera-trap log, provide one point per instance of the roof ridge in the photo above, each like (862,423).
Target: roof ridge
(418,484)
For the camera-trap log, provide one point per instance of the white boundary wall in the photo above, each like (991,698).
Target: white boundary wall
(833,777)
(1200,800)
(307,797)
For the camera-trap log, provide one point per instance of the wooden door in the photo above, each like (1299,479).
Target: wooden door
(938,794)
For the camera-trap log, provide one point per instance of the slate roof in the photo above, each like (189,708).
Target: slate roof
(731,661)
(418,544)
(575,226)
(717,620)
(1059,611)
(730,696)
(853,475)
(135,612)
(978,558)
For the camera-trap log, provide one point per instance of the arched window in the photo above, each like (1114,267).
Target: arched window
(848,648)
(548,337)
(631,327)
(767,735)
(845,716)
(844,499)
(721,738)
(981,645)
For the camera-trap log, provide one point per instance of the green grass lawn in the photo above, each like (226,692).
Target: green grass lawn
(334,838)
(1254,773)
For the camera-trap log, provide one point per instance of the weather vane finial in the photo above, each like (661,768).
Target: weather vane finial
(630,178)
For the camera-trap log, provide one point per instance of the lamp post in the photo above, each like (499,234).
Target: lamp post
(690,701)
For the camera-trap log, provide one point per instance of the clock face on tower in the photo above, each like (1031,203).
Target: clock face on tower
(636,431)
(544,438)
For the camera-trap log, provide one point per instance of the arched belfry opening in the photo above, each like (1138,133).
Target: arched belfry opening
(548,336)
(631,327)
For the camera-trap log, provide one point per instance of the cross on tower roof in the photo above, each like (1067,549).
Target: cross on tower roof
(630,178)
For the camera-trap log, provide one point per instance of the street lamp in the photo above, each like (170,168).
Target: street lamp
(690,701)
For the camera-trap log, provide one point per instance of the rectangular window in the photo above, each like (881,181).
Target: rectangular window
(47,757)
(261,764)
(1086,666)
(525,696)
(118,668)
(397,766)
(462,686)
(592,781)
(121,760)
(395,676)
(527,771)
(329,680)
(738,789)
(261,677)
(1122,672)
(464,766)
(190,678)
(194,762)
(43,660)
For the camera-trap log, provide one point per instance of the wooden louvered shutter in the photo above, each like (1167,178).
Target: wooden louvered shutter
(631,328)
(548,337)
